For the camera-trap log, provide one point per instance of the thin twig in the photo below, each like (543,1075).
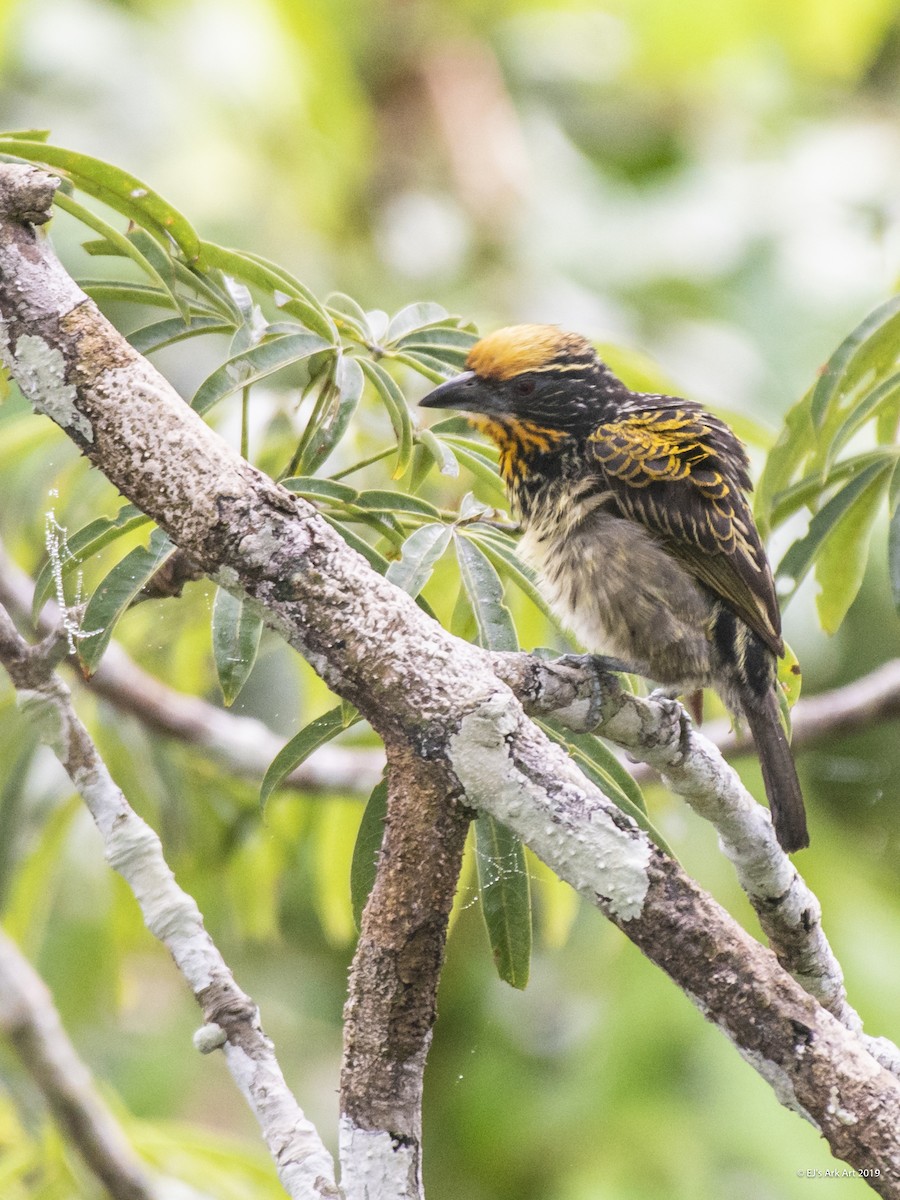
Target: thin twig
(28,1018)
(231,1019)
(242,745)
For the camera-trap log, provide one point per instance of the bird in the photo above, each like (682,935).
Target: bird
(634,515)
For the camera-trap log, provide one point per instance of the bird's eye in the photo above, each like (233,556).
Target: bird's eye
(524,387)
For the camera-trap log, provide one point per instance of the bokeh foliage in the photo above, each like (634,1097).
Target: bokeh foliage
(599,196)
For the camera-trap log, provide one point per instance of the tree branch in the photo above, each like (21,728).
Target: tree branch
(30,1021)
(243,745)
(393,982)
(417,684)
(660,733)
(133,849)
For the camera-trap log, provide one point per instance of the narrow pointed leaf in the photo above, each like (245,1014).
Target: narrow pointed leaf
(373,557)
(115,187)
(235,638)
(441,341)
(396,502)
(397,410)
(261,273)
(160,334)
(426,365)
(349,379)
(496,630)
(505,893)
(807,492)
(872,344)
(842,562)
(414,316)
(804,552)
(366,850)
(502,554)
(317,733)
(871,404)
(116,593)
(421,551)
(442,455)
(119,243)
(477,464)
(313,488)
(255,364)
(344,308)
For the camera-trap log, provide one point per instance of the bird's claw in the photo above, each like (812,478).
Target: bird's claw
(676,715)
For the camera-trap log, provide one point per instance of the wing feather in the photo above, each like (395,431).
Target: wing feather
(681,472)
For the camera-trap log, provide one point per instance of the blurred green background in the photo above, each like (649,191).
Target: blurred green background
(712,186)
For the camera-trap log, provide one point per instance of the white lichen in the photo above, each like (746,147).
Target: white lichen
(592,851)
(374,1165)
(40,371)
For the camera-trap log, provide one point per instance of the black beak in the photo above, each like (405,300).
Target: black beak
(464,392)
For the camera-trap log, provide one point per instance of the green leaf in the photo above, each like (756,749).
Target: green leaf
(783,461)
(476,462)
(349,380)
(313,488)
(255,364)
(496,630)
(82,545)
(873,343)
(121,191)
(501,551)
(421,551)
(426,365)
(236,632)
(804,552)
(373,557)
(160,334)
(842,562)
(869,405)
(111,291)
(414,316)
(396,502)
(397,410)
(253,269)
(121,244)
(366,850)
(442,455)
(115,594)
(302,744)
(505,898)
(441,341)
(807,492)
(345,309)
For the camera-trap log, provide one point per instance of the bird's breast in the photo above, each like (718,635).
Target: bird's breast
(619,590)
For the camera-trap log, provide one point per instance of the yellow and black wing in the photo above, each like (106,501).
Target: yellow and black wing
(682,473)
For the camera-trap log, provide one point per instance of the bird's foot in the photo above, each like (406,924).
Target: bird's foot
(676,717)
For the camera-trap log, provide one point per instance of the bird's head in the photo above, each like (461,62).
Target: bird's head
(534,374)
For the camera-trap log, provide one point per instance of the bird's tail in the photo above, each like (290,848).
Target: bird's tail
(779,772)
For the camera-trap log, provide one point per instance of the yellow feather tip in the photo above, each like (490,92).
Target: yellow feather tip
(518,348)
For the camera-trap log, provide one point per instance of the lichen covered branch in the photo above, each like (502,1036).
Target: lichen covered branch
(420,687)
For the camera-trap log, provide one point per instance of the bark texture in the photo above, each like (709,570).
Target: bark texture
(422,688)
